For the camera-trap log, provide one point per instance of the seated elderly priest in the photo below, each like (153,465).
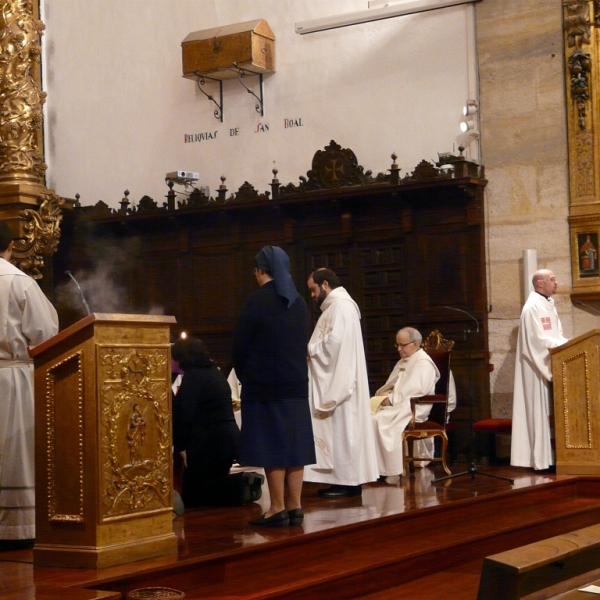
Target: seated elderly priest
(415,374)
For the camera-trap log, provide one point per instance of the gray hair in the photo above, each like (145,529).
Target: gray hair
(414,334)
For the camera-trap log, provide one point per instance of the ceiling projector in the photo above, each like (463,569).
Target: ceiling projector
(184,177)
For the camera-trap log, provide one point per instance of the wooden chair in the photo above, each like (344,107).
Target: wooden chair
(439,349)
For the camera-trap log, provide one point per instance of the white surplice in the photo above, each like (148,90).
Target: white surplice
(26,319)
(339,396)
(539,330)
(236,394)
(411,377)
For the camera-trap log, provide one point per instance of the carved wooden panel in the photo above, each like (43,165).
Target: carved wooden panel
(65,470)
(576,368)
(576,417)
(404,249)
(135,429)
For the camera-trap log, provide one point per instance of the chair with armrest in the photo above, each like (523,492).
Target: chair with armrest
(439,350)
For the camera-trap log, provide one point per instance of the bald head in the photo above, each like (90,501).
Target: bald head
(544,282)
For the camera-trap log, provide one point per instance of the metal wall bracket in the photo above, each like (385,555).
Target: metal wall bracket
(260,100)
(201,80)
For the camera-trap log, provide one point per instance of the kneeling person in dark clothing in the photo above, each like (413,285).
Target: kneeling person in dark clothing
(204,429)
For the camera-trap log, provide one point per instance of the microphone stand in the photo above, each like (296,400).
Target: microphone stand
(85,304)
(472,470)
(580,303)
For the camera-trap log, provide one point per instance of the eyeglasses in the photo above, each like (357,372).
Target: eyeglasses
(396,345)
(550,279)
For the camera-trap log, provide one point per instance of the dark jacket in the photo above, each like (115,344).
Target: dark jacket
(203,412)
(269,346)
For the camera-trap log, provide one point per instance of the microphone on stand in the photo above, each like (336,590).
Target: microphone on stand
(466,313)
(580,303)
(85,304)
(472,471)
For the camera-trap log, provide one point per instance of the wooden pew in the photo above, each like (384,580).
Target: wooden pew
(558,564)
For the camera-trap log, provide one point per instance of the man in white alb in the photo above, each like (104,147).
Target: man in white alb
(26,319)
(539,330)
(415,374)
(339,393)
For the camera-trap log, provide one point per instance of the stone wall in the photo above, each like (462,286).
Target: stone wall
(524,150)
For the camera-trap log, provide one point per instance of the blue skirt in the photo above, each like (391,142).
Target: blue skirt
(276,434)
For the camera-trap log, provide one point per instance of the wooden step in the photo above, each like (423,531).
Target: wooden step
(365,558)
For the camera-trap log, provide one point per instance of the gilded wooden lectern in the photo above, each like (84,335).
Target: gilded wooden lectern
(576,381)
(103,442)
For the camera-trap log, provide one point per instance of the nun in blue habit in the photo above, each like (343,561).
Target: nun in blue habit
(269,358)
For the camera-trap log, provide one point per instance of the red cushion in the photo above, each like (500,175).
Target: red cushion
(493,426)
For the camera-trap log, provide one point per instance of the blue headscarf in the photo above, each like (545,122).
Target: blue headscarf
(276,262)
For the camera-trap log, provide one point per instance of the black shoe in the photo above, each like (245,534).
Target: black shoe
(341,491)
(550,470)
(296,516)
(178,507)
(252,490)
(280,519)
(16,544)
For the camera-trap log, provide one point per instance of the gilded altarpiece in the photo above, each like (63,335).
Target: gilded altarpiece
(581,19)
(32,211)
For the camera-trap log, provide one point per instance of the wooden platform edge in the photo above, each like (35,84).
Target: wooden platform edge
(269,561)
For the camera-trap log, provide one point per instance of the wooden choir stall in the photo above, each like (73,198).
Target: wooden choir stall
(408,247)
(103,442)
(576,376)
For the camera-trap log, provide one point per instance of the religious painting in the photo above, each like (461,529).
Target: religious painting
(587,245)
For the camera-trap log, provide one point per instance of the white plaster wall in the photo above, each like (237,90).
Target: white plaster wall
(118,107)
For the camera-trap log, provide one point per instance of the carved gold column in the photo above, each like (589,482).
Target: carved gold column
(32,210)
(580,19)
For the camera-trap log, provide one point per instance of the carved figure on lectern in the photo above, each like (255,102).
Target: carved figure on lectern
(136,433)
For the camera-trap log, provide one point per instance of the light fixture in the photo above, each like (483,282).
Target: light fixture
(470,108)
(467,126)
(386,10)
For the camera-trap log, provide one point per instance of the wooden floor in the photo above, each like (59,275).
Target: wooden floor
(402,539)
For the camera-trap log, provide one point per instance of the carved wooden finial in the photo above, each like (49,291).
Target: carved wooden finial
(394,170)
(222,189)
(124,202)
(436,342)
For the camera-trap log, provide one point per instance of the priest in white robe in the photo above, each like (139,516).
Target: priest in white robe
(339,393)
(415,374)
(539,330)
(26,319)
